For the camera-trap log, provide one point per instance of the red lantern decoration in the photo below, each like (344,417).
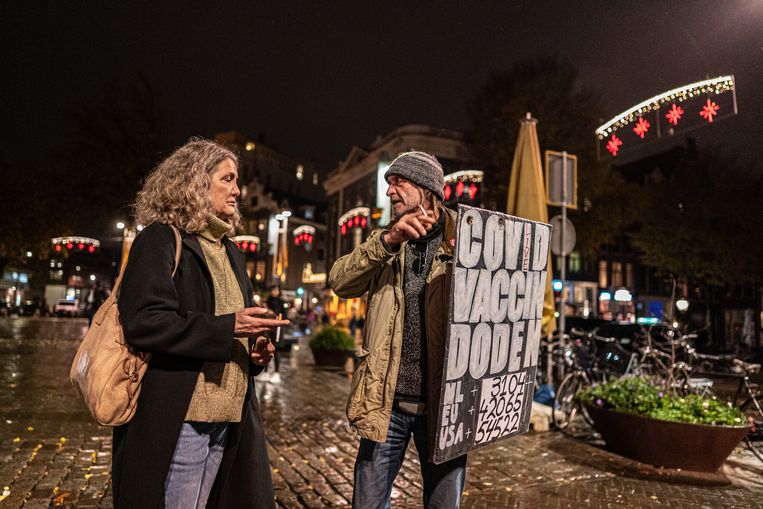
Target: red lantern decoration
(357,220)
(91,249)
(69,245)
(447,192)
(363,222)
(80,246)
(460,188)
(58,248)
(472,190)
(344,229)
(245,244)
(252,247)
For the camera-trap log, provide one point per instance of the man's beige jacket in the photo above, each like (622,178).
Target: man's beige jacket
(372,268)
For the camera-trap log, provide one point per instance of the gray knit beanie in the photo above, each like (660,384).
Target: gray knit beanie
(422,169)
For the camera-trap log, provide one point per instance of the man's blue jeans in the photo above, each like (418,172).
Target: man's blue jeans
(377,466)
(194,466)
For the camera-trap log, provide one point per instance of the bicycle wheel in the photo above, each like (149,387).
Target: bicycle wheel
(753,410)
(566,407)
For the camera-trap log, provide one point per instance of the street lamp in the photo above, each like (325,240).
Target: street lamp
(128,235)
(280,259)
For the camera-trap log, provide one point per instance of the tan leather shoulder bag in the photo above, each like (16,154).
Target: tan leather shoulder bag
(106,371)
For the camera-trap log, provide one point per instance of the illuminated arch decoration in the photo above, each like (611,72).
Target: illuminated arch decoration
(304,235)
(677,110)
(355,218)
(247,243)
(463,186)
(74,245)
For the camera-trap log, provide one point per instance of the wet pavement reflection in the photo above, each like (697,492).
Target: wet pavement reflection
(53,455)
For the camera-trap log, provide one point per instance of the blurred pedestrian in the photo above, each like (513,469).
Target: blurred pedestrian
(278,305)
(196,439)
(95,298)
(396,388)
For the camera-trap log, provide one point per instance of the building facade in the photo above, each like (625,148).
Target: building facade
(283,209)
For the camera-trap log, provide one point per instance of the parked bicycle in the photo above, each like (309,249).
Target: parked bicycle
(673,359)
(670,360)
(590,359)
(748,396)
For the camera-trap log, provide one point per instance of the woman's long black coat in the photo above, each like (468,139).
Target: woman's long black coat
(175,322)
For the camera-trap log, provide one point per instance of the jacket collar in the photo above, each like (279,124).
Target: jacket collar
(449,233)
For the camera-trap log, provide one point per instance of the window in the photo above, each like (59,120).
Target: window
(629,275)
(617,274)
(603,283)
(574,262)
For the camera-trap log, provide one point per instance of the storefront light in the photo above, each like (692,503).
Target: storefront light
(682,304)
(623,295)
(605,296)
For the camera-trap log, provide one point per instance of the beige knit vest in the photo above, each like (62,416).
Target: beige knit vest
(221,386)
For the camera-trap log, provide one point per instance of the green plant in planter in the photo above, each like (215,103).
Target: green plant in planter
(637,396)
(332,338)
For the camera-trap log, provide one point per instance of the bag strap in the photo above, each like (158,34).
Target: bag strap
(178,250)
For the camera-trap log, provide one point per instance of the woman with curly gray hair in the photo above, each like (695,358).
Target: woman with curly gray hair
(196,439)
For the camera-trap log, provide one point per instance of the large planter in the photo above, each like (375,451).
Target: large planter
(698,447)
(332,358)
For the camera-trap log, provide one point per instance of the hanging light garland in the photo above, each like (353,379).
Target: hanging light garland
(247,243)
(304,235)
(463,185)
(74,244)
(670,100)
(355,218)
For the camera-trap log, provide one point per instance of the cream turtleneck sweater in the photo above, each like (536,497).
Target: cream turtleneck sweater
(221,386)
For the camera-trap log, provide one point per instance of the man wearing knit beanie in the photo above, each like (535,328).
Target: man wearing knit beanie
(396,388)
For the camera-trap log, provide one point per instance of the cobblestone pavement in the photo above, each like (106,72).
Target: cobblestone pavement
(53,455)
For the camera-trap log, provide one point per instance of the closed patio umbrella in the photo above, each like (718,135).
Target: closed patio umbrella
(527,199)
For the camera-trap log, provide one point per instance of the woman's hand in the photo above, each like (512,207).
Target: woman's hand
(262,351)
(252,322)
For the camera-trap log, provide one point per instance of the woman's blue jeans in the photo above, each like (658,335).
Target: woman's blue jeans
(197,458)
(377,466)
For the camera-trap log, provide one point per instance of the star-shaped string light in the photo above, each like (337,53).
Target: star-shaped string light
(674,114)
(709,110)
(613,145)
(642,126)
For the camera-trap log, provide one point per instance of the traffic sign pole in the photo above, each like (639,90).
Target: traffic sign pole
(564,255)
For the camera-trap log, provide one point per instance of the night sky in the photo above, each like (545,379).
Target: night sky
(316,78)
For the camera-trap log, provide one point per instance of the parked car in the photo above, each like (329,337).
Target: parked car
(66,308)
(581,324)
(27,308)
